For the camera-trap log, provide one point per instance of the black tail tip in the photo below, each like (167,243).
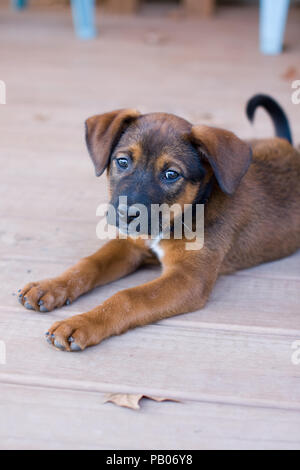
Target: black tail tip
(278,116)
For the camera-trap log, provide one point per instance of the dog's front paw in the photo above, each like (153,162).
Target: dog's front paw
(74,334)
(44,296)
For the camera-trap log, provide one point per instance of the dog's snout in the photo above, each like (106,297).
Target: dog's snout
(122,211)
(128,214)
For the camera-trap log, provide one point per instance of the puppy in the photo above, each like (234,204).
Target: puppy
(251,192)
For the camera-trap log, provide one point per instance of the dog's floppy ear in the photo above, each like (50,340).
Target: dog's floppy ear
(103,132)
(228,156)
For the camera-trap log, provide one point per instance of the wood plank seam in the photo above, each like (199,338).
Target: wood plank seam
(79,386)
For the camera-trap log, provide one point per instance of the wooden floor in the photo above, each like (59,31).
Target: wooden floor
(229,364)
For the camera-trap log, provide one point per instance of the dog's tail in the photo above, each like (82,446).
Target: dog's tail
(279,118)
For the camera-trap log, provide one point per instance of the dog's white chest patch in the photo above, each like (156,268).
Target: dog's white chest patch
(154,246)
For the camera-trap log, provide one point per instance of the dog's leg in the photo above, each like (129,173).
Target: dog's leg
(182,288)
(115,260)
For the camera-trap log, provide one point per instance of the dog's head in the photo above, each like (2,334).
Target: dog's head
(161,158)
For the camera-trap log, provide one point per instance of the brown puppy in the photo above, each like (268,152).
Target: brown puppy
(252,215)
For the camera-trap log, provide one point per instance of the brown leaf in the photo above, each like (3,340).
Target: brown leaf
(129,400)
(126,400)
(159,399)
(290,74)
(41,117)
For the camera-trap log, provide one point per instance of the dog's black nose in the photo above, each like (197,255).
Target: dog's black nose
(128,214)
(122,211)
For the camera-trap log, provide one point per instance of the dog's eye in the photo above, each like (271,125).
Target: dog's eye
(122,162)
(171,176)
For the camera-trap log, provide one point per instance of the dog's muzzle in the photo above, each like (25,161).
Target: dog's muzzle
(127,214)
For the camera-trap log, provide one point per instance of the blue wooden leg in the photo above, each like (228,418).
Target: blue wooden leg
(273,18)
(19,4)
(84,18)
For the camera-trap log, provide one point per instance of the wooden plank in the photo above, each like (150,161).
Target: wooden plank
(231,362)
(244,302)
(216,366)
(200,7)
(122,6)
(68,231)
(286,268)
(40,418)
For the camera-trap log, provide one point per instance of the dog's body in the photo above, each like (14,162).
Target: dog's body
(267,203)
(252,215)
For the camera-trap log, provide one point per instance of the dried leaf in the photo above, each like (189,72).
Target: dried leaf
(41,117)
(159,399)
(290,74)
(128,400)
